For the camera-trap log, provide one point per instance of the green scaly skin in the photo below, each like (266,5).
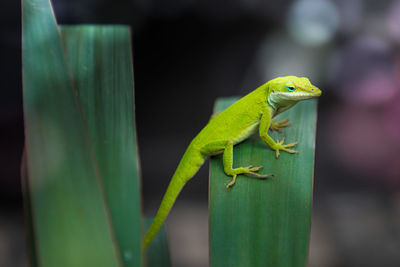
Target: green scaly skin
(235,124)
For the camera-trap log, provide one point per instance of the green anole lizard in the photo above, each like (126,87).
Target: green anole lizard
(233,125)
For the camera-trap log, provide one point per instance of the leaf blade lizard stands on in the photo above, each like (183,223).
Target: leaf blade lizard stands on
(232,126)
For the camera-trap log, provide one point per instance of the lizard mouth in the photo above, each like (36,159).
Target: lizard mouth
(296,96)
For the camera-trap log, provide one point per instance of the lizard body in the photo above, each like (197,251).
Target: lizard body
(235,124)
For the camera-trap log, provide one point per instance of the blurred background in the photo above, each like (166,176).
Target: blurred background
(189,52)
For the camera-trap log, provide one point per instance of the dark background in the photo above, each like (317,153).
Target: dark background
(189,52)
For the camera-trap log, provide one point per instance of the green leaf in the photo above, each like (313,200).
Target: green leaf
(70,218)
(265,222)
(157,253)
(101,62)
(29,232)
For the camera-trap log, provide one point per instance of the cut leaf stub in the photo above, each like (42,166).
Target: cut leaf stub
(265,222)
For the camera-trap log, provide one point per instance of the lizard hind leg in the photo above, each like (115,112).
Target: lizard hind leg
(227,159)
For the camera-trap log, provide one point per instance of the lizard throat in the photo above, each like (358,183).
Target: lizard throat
(272,103)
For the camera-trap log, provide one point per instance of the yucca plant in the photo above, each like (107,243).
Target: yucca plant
(81,175)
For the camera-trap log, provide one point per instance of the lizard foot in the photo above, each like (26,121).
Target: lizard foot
(250,170)
(279,125)
(232,183)
(281,146)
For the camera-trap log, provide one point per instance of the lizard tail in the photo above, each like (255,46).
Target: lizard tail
(189,165)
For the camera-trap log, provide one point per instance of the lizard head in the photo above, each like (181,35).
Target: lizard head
(291,88)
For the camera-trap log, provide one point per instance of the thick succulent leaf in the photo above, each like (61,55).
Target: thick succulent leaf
(101,63)
(265,222)
(70,216)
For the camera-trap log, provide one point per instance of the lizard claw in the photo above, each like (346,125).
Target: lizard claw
(250,170)
(231,183)
(253,172)
(255,169)
(279,125)
(281,146)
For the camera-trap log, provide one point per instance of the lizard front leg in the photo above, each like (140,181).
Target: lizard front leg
(227,159)
(265,124)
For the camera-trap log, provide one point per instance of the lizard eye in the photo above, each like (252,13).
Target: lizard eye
(290,88)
